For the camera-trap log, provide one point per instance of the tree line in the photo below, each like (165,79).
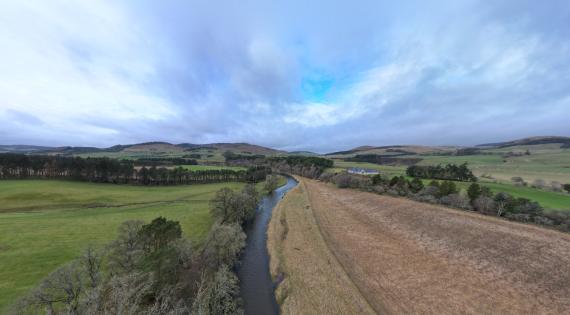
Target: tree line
(150,268)
(107,170)
(308,166)
(477,197)
(447,172)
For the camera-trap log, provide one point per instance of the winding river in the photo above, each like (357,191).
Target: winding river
(257,288)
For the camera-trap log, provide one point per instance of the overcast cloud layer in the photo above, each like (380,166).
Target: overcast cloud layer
(316,75)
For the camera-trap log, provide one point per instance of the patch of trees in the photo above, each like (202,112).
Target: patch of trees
(467,151)
(476,198)
(271,183)
(106,170)
(307,166)
(384,159)
(447,172)
(152,269)
(165,161)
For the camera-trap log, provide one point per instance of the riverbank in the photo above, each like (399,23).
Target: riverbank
(311,281)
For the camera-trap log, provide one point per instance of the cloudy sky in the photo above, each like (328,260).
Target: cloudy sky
(314,75)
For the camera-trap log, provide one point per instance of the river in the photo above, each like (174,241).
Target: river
(256,285)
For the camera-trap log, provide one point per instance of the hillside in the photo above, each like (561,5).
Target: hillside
(529,141)
(145,149)
(392,150)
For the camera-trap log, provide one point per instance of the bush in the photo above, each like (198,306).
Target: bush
(345,180)
(474,192)
(223,245)
(326,177)
(539,184)
(566,187)
(229,206)
(485,205)
(456,201)
(518,181)
(220,295)
(447,188)
(271,183)
(416,185)
(556,186)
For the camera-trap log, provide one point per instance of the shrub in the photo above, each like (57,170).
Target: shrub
(518,181)
(566,187)
(219,296)
(539,184)
(416,185)
(485,205)
(556,186)
(456,201)
(271,183)
(432,191)
(326,177)
(447,188)
(223,245)
(343,180)
(474,191)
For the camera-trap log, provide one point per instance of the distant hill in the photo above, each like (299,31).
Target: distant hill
(304,153)
(392,150)
(142,148)
(22,148)
(242,147)
(528,141)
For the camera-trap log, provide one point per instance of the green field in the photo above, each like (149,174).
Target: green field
(44,223)
(553,165)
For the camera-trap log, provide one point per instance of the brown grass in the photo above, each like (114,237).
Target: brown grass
(313,282)
(412,258)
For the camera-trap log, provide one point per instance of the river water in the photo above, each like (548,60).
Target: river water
(256,286)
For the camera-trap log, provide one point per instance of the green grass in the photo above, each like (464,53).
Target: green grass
(45,223)
(550,166)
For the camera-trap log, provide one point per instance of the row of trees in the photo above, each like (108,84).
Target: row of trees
(476,198)
(447,172)
(152,269)
(308,166)
(18,166)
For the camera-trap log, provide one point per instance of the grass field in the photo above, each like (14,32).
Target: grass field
(44,223)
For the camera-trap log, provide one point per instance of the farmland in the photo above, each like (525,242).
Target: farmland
(495,169)
(44,223)
(409,257)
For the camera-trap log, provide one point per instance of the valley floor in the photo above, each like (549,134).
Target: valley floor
(405,257)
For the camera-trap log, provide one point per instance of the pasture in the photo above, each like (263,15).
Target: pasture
(546,164)
(44,223)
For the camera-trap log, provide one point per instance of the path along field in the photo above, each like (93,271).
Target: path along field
(45,223)
(409,258)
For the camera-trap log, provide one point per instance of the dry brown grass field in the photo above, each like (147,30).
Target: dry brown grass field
(313,282)
(413,258)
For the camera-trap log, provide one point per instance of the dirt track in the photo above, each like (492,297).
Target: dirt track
(407,257)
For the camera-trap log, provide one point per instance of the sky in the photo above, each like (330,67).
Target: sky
(294,75)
